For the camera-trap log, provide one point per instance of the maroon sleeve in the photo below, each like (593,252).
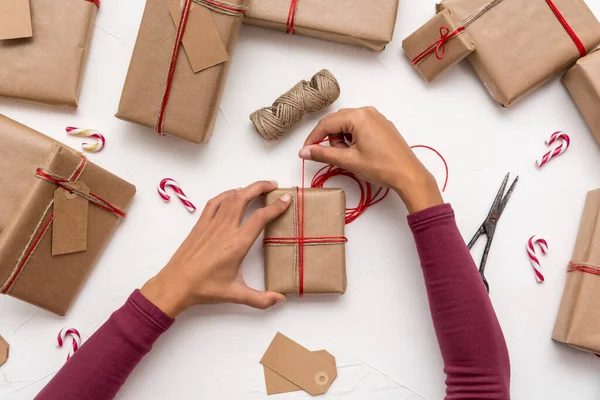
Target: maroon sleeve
(100,367)
(475,355)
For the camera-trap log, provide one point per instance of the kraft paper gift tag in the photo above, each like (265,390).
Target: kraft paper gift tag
(69,228)
(202,42)
(4,348)
(15,19)
(290,367)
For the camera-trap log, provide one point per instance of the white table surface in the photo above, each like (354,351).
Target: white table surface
(380,331)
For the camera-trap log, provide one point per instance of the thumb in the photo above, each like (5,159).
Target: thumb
(329,155)
(258,299)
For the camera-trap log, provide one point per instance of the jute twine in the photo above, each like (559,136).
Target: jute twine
(306,97)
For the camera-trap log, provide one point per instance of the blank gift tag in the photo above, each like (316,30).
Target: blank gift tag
(15,19)
(4,350)
(69,231)
(305,369)
(277,384)
(202,42)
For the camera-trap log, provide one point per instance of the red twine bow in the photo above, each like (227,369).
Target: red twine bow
(439,47)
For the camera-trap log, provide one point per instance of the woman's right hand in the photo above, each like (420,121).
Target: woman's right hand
(363,141)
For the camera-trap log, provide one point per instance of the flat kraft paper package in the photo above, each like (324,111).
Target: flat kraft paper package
(363,23)
(521,44)
(438,45)
(4,351)
(48,67)
(583,82)
(578,321)
(324,266)
(194,97)
(28,270)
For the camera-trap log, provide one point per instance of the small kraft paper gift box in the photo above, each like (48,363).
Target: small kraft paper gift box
(363,23)
(583,82)
(438,45)
(179,66)
(304,248)
(58,213)
(578,321)
(522,44)
(44,48)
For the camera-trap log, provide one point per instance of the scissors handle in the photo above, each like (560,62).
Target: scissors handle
(484,258)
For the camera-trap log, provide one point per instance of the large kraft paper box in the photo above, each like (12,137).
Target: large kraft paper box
(324,263)
(578,321)
(583,82)
(194,97)
(521,44)
(28,270)
(364,23)
(49,66)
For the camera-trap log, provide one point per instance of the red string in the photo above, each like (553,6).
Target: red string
(439,47)
(421,146)
(570,31)
(291,21)
(583,268)
(96,2)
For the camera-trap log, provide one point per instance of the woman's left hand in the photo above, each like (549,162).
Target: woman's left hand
(206,269)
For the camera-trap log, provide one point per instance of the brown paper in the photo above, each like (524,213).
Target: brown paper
(583,82)
(455,50)
(46,281)
(521,44)
(364,23)
(69,227)
(4,350)
(194,98)
(578,321)
(277,384)
(15,19)
(324,265)
(201,41)
(48,68)
(303,368)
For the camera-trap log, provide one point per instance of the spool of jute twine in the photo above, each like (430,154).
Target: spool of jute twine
(276,121)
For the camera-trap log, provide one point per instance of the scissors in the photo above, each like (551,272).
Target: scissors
(488,227)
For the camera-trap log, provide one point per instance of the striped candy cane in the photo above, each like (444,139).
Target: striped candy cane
(535,262)
(178,192)
(565,142)
(91,147)
(75,340)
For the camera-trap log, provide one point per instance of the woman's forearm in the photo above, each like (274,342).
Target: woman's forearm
(471,341)
(100,367)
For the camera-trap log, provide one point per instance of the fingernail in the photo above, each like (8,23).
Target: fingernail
(286,197)
(304,154)
(280,300)
(274,183)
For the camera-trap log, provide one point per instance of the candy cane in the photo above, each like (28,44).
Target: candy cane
(76,340)
(178,192)
(91,147)
(566,141)
(535,262)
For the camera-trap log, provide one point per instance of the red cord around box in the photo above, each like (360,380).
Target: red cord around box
(570,31)
(291,20)
(439,47)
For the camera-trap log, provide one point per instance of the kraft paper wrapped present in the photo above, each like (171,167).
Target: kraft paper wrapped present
(319,266)
(50,238)
(578,321)
(363,23)
(522,44)
(186,104)
(583,82)
(46,62)
(438,45)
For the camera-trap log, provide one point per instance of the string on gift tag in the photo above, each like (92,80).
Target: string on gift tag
(535,262)
(162,191)
(565,143)
(91,147)
(291,20)
(75,340)
(439,47)
(214,5)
